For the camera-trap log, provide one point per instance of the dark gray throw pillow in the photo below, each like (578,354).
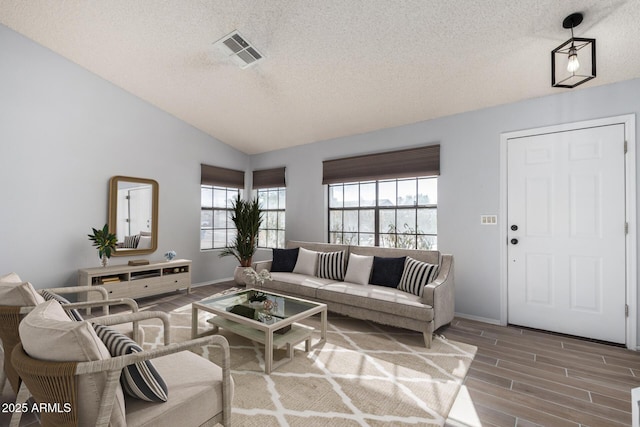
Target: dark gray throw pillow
(284,260)
(387,271)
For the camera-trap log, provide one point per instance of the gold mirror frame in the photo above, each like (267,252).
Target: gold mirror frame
(115,183)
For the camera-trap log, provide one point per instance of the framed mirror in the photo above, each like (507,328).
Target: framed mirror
(133,214)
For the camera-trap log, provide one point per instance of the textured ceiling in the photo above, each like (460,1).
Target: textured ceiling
(332,67)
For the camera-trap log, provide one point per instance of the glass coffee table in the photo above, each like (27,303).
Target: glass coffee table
(265,317)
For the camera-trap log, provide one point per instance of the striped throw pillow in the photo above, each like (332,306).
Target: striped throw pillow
(131,241)
(416,275)
(140,380)
(331,265)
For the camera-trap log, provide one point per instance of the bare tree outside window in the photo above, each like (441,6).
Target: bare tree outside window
(397,213)
(272,231)
(216,228)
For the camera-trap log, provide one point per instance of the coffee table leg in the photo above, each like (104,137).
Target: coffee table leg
(194,322)
(323,330)
(268,351)
(290,351)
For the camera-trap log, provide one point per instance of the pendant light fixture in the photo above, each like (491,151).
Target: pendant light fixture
(574,61)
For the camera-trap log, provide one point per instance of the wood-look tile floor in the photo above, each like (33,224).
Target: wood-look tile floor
(519,377)
(524,377)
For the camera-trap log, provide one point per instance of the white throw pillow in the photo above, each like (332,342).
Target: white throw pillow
(307,262)
(10,278)
(15,292)
(47,333)
(359,269)
(144,242)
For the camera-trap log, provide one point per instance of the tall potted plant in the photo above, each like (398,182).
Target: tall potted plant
(247,217)
(105,242)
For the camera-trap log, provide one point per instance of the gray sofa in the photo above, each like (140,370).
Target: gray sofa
(381,304)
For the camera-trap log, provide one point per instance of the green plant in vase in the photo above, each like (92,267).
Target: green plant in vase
(105,242)
(247,217)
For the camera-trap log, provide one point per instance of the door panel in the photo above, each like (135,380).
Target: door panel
(586,283)
(539,279)
(566,195)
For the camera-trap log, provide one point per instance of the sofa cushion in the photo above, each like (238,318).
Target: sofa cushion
(416,275)
(387,271)
(432,257)
(296,284)
(318,247)
(195,385)
(376,298)
(359,269)
(331,265)
(284,260)
(15,292)
(307,262)
(140,380)
(47,333)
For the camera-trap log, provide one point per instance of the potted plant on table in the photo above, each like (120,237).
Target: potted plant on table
(105,242)
(247,217)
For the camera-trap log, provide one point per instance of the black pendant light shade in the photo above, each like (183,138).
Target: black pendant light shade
(574,61)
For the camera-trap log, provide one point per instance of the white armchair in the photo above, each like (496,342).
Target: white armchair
(17,298)
(61,361)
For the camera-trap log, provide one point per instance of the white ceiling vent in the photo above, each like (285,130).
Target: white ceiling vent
(238,49)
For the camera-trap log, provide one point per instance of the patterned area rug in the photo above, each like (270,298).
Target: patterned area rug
(364,375)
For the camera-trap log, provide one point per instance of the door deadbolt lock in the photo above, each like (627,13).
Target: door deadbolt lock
(514,241)
(514,227)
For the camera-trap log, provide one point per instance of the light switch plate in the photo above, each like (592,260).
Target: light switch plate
(489,219)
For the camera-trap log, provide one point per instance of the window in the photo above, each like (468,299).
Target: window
(273,203)
(219,187)
(269,186)
(399,213)
(216,228)
(387,199)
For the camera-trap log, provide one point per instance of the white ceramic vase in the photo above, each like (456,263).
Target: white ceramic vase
(239,277)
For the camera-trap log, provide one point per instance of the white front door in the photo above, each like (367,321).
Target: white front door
(566,232)
(140,206)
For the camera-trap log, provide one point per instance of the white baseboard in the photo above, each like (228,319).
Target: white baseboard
(479,319)
(213,282)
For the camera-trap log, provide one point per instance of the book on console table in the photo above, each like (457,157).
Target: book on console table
(139,262)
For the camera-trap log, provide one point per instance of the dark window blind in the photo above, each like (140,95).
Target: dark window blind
(223,177)
(269,178)
(421,161)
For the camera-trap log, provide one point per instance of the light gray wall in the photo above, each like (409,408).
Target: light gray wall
(469,182)
(63,133)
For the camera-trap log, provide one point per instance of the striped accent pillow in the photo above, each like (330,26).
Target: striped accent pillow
(140,380)
(131,241)
(71,312)
(416,275)
(331,265)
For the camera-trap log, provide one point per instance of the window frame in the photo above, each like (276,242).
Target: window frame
(379,235)
(229,226)
(280,211)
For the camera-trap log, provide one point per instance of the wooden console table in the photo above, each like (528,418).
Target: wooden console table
(127,281)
